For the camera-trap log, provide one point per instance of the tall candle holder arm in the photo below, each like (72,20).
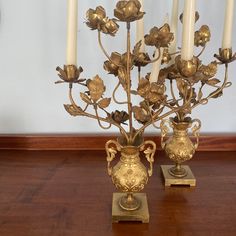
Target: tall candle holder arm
(217,92)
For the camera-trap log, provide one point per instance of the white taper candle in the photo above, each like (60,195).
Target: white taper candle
(72,27)
(188,30)
(228,26)
(156,66)
(140,29)
(174,25)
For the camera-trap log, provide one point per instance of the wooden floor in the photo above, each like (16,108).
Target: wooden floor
(68,193)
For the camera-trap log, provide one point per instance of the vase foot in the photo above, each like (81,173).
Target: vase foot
(170,180)
(178,171)
(129,202)
(140,214)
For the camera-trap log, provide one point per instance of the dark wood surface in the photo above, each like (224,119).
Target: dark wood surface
(55,193)
(208,142)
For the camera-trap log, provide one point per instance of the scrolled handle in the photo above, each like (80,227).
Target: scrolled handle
(165,124)
(149,154)
(196,126)
(111,149)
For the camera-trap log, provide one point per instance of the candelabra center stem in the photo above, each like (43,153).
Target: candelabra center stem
(128,68)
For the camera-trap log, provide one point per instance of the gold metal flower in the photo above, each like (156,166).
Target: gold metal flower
(152,92)
(187,68)
(70,74)
(141,115)
(96,88)
(140,58)
(119,116)
(225,55)
(166,57)
(109,27)
(156,94)
(159,37)
(143,88)
(202,36)
(128,10)
(210,70)
(97,20)
(95,17)
(112,66)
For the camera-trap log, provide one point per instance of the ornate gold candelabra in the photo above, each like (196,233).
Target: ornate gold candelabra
(129,175)
(191,79)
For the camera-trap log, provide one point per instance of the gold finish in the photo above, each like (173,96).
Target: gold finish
(191,84)
(226,55)
(120,215)
(202,36)
(128,11)
(129,175)
(187,68)
(170,180)
(197,16)
(97,19)
(159,37)
(179,147)
(70,74)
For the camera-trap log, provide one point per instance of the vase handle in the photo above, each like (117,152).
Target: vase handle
(196,125)
(165,124)
(149,149)
(111,149)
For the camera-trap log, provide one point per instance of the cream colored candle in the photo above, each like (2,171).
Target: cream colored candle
(140,30)
(174,25)
(188,30)
(72,27)
(228,27)
(156,66)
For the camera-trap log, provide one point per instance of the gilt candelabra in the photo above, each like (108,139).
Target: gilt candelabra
(187,82)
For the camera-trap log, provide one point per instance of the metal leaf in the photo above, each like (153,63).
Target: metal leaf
(96,88)
(137,48)
(62,74)
(209,70)
(212,82)
(74,111)
(81,80)
(181,85)
(133,92)
(141,115)
(200,94)
(218,94)
(143,88)
(104,103)
(122,75)
(85,98)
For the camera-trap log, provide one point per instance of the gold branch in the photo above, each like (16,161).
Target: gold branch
(114,95)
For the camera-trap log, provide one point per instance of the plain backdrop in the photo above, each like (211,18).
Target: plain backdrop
(33,42)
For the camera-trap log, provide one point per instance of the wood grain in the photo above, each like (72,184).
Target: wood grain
(210,142)
(55,193)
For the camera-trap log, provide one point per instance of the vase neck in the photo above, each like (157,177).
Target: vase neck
(130,154)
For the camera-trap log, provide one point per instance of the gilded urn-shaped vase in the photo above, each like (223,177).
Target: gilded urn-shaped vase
(129,175)
(179,147)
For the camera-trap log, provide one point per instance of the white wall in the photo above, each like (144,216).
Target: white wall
(32,44)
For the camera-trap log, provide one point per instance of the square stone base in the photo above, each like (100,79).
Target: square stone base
(188,180)
(140,215)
